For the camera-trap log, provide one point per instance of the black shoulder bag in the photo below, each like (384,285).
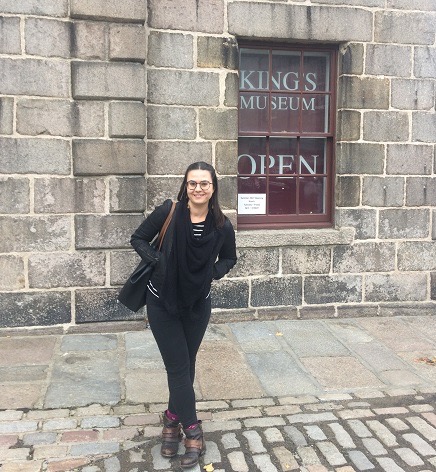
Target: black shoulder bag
(134,292)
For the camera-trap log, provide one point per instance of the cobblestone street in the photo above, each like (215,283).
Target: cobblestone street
(341,433)
(381,431)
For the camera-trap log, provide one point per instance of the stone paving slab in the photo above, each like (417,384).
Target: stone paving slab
(336,373)
(396,334)
(222,373)
(19,395)
(27,350)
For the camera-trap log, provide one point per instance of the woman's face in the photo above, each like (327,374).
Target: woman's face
(198,195)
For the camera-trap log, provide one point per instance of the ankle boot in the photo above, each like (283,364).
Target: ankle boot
(171,436)
(195,446)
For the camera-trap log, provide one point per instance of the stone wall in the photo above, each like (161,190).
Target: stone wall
(72,156)
(82,157)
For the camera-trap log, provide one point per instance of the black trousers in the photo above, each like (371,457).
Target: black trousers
(178,339)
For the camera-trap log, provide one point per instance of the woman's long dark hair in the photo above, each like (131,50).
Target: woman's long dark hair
(214,206)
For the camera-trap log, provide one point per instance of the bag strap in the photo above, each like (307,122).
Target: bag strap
(167,222)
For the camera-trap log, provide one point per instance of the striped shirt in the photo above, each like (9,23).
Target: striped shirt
(198,229)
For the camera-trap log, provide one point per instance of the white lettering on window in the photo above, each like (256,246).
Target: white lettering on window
(285,161)
(259,79)
(278,102)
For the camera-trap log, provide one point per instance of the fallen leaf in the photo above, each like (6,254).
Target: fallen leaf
(208,468)
(427,360)
(279,333)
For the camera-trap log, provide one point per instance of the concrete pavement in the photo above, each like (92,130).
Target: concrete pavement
(315,395)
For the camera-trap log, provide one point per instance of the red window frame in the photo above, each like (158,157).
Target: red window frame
(294,215)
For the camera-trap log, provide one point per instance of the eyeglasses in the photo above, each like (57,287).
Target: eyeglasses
(204,184)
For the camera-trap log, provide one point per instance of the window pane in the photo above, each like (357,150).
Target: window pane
(284,113)
(312,195)
(285,71)
(314,113)
(283,152)
(313,156)
(252,155)
(282,195)
(253,69)
(251,184)
(253,112)
(316,71)
(251,195)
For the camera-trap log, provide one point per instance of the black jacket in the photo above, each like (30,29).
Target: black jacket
(223,259)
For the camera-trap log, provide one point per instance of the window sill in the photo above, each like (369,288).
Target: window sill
(294,237)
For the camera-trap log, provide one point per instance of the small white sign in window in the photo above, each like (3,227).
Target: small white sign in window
(252,204)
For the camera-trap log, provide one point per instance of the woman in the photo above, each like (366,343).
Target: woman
(199,246)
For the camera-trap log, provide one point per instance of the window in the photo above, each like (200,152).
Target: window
(286,136)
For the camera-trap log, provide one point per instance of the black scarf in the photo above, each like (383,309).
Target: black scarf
(189,267)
